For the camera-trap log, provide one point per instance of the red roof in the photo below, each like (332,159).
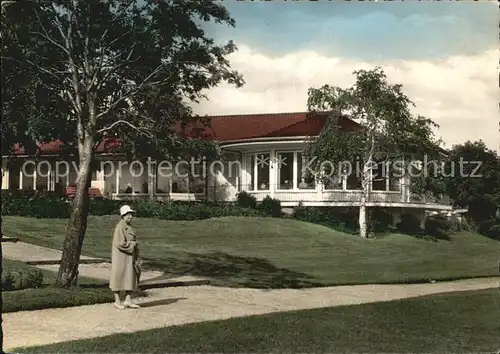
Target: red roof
(248,126)
(230,127)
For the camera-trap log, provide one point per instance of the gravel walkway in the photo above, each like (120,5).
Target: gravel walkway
(176,306)
(26,252)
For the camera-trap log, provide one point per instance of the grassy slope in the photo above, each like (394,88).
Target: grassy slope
(48,296)
(267,252)
(453,323)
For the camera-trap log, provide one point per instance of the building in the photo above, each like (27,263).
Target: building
(262,155)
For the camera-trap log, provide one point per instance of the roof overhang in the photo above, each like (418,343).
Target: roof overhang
(268,143)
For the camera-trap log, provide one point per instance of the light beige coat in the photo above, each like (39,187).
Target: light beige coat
(124,275)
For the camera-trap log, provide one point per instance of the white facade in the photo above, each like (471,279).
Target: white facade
(262,167)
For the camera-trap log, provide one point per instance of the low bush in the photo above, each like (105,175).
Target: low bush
(382,220)
(409,224)
(31,279)
(490,228)
(271,206)
(245,200)
(45,206)
(439,226)
(346,221)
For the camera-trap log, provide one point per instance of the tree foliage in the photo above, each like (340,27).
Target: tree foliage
(473,179)
(126,69)
(122,68)
(387,130)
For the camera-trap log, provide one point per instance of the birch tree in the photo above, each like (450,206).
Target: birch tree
(387,133)
(126,69)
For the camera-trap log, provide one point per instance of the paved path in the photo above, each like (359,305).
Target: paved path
(26,252)
(176,306)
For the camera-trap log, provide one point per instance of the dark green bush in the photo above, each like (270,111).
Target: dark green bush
(34,279)
(36,205)
(104,206)
(346,220)
(490,228)
(409,224)
(438,226)
(382,220)
(19,280)
(245,200)
(8,281)
(271,206)
(45,207)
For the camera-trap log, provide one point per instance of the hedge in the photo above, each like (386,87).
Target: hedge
(50,206)
(346,221)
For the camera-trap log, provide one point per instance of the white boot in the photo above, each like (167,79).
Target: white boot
(118,301)
(128,303)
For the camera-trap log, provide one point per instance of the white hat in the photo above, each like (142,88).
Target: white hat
(125,210)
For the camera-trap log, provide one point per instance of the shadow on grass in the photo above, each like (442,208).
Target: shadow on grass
(229,270)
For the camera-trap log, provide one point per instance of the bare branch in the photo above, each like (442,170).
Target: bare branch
(46,34)
(123,97)
(121,121)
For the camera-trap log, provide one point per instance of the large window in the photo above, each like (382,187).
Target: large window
(379,179)
(394,184)
(332,179)
(383,181)
(258,171)
(305,179)
(262,162)
(285,170)
(353,181)
(250,169)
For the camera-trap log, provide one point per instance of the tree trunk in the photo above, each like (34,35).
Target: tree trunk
(1,284)
(363,222)
(362,216)
(77,223)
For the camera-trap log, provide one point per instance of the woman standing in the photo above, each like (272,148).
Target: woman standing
(125,269)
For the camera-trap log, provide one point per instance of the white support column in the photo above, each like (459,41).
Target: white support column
(295,181)
(151,178)
(319,188)
(21,178)
(49,180)
(34,176)
(5,175)
(255,171)
(273,173)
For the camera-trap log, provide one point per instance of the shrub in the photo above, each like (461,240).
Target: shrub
(44,207)
(346,221)
(246,200)
(490,228)
(438,226)
(271,206)
(35,205)
(382,220)
(104,206)
(409,224)
(8,281)
(31,279)
(34,279)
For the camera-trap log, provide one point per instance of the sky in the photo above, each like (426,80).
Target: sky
(444,53)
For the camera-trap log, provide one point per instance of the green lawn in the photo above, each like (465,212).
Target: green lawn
(452,323)
(48,296)
(274,253)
